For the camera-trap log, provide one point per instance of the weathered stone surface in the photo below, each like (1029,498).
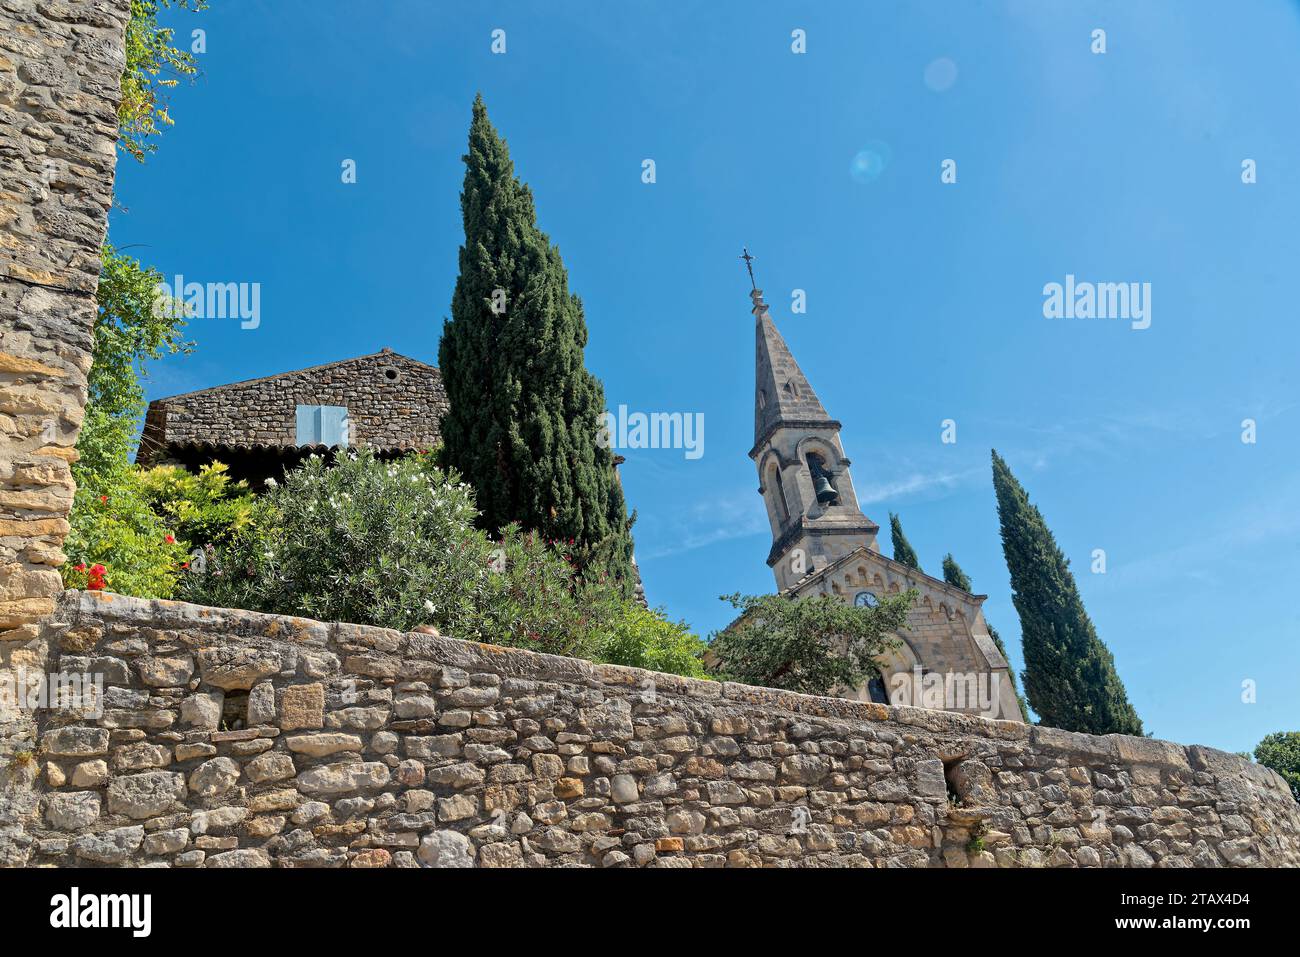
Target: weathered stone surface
(72,812)
(165,672)
(60,71)
(261,703)
(109,847)
(90,774)
(624,789)
(214,778)
(247,857)
(203,710)
(75,742)
(145,795)
(343,777)
(236,669)
(319,745)
(303,707)
(275,766)
(462,775)
(446,849)
(166,842)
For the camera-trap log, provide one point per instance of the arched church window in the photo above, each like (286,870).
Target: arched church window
(791,389)
(823,487)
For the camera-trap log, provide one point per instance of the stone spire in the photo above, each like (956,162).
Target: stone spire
(803,472)
(782,393)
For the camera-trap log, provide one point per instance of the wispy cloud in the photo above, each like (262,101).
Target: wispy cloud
(1239,533)
(738,515)
(741,514)
(915,483)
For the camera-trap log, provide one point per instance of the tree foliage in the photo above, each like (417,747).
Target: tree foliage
(1069,676)
(524,423)
(112,522)
(1281,752)
(129,330)
(153,66)
(903,550)
(815,644)
(953,574)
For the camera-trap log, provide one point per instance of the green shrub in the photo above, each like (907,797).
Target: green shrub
(387,543)
(648,639)
(113,525)
(203,509)
(533,598)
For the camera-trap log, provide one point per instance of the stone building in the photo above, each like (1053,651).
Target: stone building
(386,401)
(822,543)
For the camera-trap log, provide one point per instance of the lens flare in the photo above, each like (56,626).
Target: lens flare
(870,161)
(941,74)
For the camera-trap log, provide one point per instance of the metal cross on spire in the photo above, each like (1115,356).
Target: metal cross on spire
(749,264)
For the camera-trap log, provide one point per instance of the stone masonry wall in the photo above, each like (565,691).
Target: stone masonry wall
(60,68)
(229,738)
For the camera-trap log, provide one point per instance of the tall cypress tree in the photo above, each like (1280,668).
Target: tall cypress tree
(903,550)
(953,575)
(525,414)
(1069,675)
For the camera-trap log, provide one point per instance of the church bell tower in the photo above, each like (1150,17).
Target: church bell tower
(803,473)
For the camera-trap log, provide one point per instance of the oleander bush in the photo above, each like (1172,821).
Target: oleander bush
(393,543)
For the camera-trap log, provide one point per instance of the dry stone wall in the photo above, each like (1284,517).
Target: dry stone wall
(60,68)
(228,738)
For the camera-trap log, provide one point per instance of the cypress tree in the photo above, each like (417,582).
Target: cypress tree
(1069,675)
(953,575)
(903,550)
(525,415)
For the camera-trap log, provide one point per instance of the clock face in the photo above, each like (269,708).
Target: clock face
(864,599)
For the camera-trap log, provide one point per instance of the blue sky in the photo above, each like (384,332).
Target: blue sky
(924,299)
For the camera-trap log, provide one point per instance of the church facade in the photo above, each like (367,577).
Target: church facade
(822,543)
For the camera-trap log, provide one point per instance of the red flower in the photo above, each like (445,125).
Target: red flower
(169,538)
(98,569)
(81,567)
(103,498)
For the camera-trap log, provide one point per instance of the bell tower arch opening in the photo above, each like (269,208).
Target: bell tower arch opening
(776,490)
(823,484)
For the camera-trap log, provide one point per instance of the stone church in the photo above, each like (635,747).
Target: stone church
(822,543)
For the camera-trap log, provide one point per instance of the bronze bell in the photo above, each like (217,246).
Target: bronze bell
(826,494)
